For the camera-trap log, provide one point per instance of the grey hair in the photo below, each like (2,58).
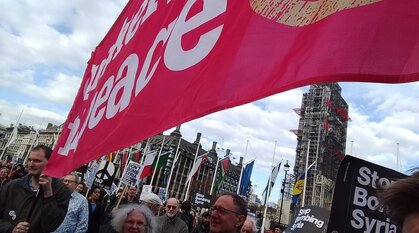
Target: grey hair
(121,214)
(78,178)
(253,221)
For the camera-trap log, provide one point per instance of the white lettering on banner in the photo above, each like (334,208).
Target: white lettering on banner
(101,98)
(371,178)
(145,74)
(304,217)
(149,7)
(128,29)
(360,221)
(105,102)
(362,199)
(126,84)
(200,199)
(178,59)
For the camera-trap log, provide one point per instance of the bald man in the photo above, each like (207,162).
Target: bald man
(170,222)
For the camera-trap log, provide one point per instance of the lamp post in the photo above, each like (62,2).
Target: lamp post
(286,169)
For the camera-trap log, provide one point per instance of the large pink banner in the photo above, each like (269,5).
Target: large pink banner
(167,62)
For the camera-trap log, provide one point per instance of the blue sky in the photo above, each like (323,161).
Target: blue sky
(45,45)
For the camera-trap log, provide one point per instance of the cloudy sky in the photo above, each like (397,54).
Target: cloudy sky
(45,45)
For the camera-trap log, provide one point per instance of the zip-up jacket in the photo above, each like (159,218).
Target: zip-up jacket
(17,198)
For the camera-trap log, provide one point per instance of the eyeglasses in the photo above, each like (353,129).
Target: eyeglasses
(171,206)
(222,210)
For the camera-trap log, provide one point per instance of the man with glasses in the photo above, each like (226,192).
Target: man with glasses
(77,218)
(228,214)
(169,222)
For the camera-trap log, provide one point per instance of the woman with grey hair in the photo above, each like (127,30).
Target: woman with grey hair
(131,218)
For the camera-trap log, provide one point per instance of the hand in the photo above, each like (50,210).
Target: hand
(21,227)
(45,183)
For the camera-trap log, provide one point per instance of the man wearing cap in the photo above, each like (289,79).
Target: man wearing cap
(169,222)
(204,226)
(152,201)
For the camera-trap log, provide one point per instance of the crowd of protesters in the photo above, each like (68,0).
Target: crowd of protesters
(30,201)
(33,202)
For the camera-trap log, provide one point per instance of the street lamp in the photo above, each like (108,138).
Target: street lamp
(286,169)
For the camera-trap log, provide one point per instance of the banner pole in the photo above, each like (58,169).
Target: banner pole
(215,176)
(189,181)
(242,168)
(177,154)
(8,141)
(305,176)
(157,162)
(120,198)
(267,192)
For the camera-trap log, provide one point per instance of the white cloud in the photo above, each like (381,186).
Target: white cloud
(30,115)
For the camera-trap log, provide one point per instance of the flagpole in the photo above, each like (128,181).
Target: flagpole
(60,129)
(267,192)
(305,177)
(398,158)
(8,141)
(145,151)
(241,171)
(190,181)
(215,176)
(157,162)
(33,143)
(114,159)
(177,154)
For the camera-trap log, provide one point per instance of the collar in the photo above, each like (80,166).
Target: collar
(171,219)
(29,182)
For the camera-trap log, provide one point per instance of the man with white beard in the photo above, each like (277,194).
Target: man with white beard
(170,222)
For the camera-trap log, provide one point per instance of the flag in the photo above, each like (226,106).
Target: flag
(111,156)
(221,173)
(124,160)
(12,137)
(162,161)
(136,157)
(273,176)
(146,167)
(52,141)
(245,181)
(36,139)
(190,50)
(299,186)
(199,161)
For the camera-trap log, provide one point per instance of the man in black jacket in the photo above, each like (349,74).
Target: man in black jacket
(35,202)
(185,214)
(204,226)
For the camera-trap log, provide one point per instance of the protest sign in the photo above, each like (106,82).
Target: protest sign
(355,205)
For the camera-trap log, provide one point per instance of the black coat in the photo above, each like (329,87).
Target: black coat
(95,217)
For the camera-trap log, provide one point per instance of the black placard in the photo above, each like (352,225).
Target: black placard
(105,175)
(309,219)
(355,204)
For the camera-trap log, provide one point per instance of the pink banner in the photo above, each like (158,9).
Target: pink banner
(167,62)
